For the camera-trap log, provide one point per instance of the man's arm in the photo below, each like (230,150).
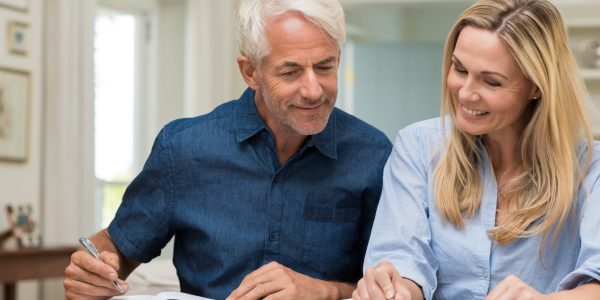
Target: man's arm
(280,282)
(86,276)
(104,242)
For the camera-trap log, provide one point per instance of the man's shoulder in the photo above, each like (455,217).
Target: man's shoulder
(215,119)
(351,127)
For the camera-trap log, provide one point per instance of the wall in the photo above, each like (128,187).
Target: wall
(397,84)
(20,182)
(392,62)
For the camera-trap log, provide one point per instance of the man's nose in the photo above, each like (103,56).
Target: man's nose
(311,88)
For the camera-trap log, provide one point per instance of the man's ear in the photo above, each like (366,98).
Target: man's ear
(248,71)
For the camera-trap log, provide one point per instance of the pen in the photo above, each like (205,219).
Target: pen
(91,249)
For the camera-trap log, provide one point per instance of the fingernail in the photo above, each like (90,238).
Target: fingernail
(389,295)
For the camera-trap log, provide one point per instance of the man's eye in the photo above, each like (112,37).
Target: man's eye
(325,68)
(289,74)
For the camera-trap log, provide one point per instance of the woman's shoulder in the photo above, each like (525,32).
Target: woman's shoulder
(595,151)
(431,127)
(434,124)
(429,131)
(422,140)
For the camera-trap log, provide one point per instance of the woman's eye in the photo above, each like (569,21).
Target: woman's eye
(460,71)
(492,83)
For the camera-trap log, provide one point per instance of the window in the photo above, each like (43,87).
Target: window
(123,68)
(114,99)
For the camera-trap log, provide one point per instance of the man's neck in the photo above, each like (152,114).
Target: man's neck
(287,144)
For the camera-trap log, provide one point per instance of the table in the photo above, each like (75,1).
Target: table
(34,263)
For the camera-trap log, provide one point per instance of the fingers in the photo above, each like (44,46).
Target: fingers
(402,292)
(254,286)
(111,259)
(82,290)
(262,290)
(275,281)
(383,279)
(381,282)
(513,288)
(362,290)
(87,262)
(377,283)
(374,287)
(87,277)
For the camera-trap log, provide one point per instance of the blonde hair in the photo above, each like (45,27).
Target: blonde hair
(553,138)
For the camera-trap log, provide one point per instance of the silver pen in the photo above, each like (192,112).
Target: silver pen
(91,249)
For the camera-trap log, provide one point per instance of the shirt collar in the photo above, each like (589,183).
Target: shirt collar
(248,123)
(246,119)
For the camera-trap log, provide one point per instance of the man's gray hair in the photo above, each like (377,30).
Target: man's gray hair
(251,16)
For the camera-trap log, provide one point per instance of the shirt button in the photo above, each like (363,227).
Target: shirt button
(274,236)
(486,275)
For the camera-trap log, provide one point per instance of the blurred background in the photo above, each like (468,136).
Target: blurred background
(85,85)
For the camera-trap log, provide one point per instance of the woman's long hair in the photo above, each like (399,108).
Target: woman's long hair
(551,144)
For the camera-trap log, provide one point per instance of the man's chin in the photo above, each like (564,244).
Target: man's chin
(309,129)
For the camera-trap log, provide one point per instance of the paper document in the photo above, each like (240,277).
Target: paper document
(169,295)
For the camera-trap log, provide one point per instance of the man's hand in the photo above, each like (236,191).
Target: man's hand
(275,281)
(513,288)
(384,282)
(87,277)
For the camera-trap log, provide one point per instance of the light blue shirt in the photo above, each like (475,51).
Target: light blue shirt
(466,264)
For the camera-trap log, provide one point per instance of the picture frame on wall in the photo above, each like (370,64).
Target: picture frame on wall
(18,37)
(22,5)
(14,114)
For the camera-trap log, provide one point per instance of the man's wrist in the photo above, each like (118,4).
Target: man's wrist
(338,290)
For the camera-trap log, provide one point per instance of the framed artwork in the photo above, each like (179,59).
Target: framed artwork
(22,5)
(14,114)
(18,37)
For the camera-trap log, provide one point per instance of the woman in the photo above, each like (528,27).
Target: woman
(502,199)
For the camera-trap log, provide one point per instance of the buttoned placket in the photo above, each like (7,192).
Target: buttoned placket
(488,220)
(275,198)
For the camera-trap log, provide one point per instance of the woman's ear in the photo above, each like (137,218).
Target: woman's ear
(248,71)
(535,94)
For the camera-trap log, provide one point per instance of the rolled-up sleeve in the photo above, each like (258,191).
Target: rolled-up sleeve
(588,261)
(141,227)
(401,232)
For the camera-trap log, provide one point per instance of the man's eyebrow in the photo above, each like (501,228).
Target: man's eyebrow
(327,60)
(290,64)
(293,64)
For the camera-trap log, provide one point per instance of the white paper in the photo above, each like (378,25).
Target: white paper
(167,295)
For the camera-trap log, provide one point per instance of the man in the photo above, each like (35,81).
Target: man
(273,194)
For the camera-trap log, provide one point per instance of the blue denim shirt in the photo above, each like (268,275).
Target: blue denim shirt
(215,183)
(450,263)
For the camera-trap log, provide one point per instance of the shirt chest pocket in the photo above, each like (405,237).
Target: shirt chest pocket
(330,236)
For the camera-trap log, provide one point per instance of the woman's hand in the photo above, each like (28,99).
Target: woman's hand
(513,288)
(384,282)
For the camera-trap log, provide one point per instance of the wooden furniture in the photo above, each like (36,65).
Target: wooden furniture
(34,263)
